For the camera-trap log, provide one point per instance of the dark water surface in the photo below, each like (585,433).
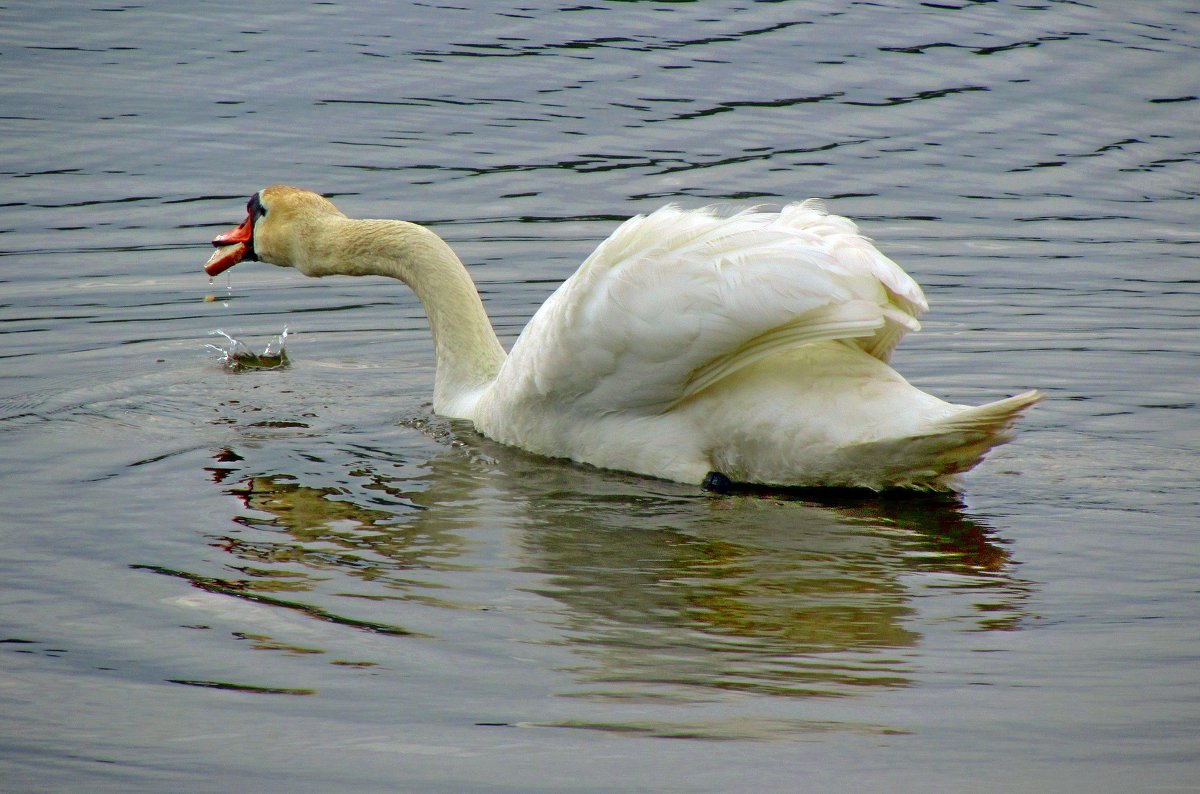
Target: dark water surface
(300,580)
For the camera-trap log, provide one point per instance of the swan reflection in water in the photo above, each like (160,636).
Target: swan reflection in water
(658,591)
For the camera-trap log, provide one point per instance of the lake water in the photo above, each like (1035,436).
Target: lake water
(301,580)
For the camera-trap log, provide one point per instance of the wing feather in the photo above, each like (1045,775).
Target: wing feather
(677,300)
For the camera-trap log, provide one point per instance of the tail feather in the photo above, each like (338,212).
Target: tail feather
(950,446)
(993,419)
(960,441)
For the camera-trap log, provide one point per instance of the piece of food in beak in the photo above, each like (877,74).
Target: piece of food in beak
(224,258)
(232,247)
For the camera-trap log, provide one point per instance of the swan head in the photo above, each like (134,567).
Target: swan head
(279,221)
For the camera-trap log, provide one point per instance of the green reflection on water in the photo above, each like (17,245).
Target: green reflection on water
(659,593)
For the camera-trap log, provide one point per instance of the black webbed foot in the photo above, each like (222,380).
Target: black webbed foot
(716,482)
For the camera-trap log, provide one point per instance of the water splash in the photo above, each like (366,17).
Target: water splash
(237,356)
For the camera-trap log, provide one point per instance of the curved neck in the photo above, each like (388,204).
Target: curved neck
(468,353)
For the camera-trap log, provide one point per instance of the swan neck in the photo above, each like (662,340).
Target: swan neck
(465,345)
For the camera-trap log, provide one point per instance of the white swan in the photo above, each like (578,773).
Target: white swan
(688,346)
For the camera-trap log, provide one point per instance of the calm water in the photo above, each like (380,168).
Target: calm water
(300,580)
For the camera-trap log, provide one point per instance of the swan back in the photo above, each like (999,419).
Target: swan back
(674,301)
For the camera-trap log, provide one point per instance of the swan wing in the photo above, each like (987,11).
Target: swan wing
(677,300)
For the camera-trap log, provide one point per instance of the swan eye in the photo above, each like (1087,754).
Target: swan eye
(254,207)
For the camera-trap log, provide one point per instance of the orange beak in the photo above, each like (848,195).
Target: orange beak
(232,247)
